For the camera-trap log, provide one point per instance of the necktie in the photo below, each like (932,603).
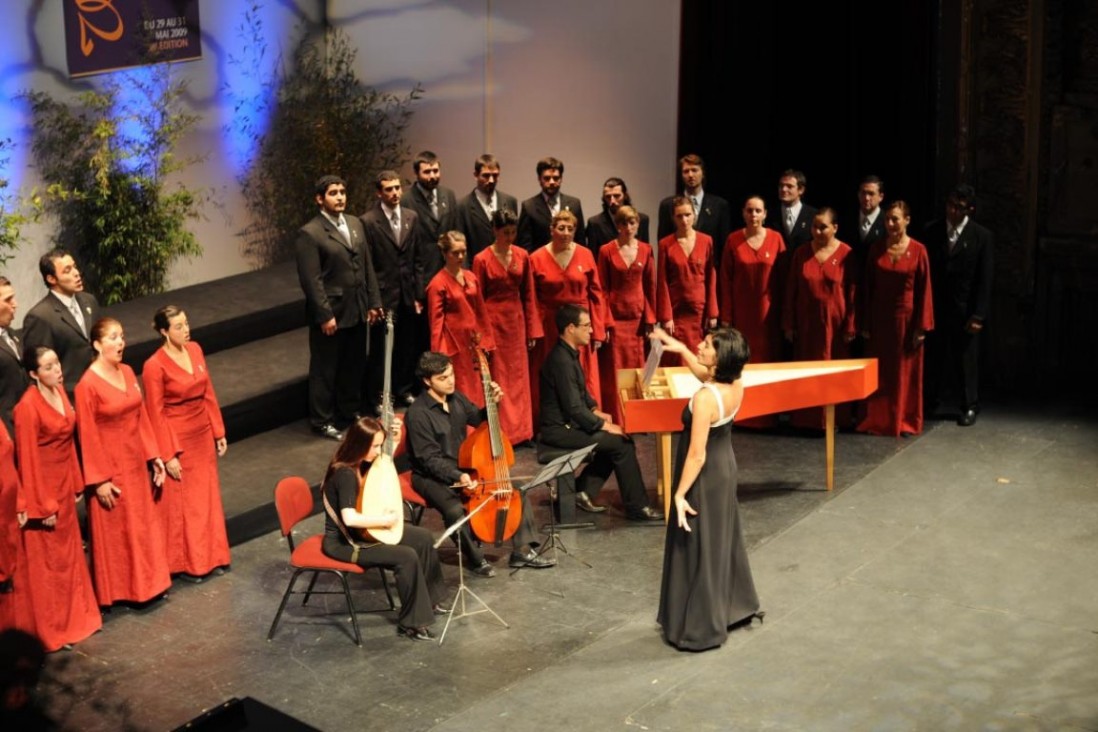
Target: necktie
(79,317)
(697,204)
(344,231)
(789,220)
(554,205)
(396,225)
(952,236)
(434,204)
(11,344)
(865,228)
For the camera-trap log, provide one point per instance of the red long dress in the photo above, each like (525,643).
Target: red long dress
(631,302)
(187,421)
(65,609)
(819,309)
(578,283)
(897,302)
(459,322)
(508,292)
(686,292)
(129,558)
(16,609)
(751,285)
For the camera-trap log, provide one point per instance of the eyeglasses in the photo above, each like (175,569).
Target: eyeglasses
(584,325)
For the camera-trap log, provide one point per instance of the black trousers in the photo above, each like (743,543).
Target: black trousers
(614,453)
(415,563)
(336,365)
(447,501)
(954,355)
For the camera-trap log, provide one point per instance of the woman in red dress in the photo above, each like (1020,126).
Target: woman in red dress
(507,283)
(457,317)
(686,290)
(16,610)
(60,586)
(565,272)
(897,313)
(627,269)
(818,315)
(751,281)
(190,433)
(117,447)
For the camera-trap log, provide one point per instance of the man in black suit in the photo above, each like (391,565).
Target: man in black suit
(871,227)
(341,297)
(435,206)
(712,214)
(792,218)
(601,227)
(961,269)
(475,210)
(569,418)
(538,211)
(63,319)
(13,379)
(400,258)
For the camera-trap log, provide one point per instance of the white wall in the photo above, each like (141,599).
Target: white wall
(592,83)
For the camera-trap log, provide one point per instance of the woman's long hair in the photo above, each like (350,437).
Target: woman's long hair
(356,443)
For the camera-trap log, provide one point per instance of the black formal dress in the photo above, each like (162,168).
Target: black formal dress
(535,220)
(49,323)
(338,279)
(707,584)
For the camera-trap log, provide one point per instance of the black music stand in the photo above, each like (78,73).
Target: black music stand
(568,463)
(459,598)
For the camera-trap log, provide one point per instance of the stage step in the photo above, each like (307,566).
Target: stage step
(223,314)
(262,384)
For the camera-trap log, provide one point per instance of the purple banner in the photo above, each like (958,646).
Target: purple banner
(105,35)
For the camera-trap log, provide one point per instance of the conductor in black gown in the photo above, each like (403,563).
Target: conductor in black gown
(707,588)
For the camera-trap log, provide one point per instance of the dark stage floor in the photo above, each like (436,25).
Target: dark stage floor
(948,584)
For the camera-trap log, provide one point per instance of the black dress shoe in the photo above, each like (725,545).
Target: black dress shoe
(531,560)
(329,431)
(416,634)
(484,569)
(968,417)
(645,514)
(583,501)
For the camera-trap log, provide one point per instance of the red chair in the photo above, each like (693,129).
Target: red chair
(294,503)
(414,502)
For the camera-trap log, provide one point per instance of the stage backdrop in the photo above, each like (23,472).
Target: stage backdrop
(594,84)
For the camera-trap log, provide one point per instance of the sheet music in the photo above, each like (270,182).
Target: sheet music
(652,363)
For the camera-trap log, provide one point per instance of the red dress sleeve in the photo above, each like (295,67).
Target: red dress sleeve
(38,500)
(534,330)
(213,408)
(606,277)
(94,457)
(663,293)
(598,306)
(711,310)
(154,376)
(649,281)
(480,311)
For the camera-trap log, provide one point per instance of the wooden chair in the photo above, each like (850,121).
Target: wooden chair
(294,503)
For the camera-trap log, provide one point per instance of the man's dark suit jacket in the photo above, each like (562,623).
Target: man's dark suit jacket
(714,218)
(850,231)
(431,228)
(49,323)
(960,279)
(601,229)
(474,223)
(338,277)
(13,382)
(802,227)
(535,219)
(400,266)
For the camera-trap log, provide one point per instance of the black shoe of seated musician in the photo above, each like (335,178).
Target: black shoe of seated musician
(647,514)
(968,417)
(584,502)
(484,569)
(531,560)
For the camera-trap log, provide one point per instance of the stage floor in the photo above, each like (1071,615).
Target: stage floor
(948,584)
